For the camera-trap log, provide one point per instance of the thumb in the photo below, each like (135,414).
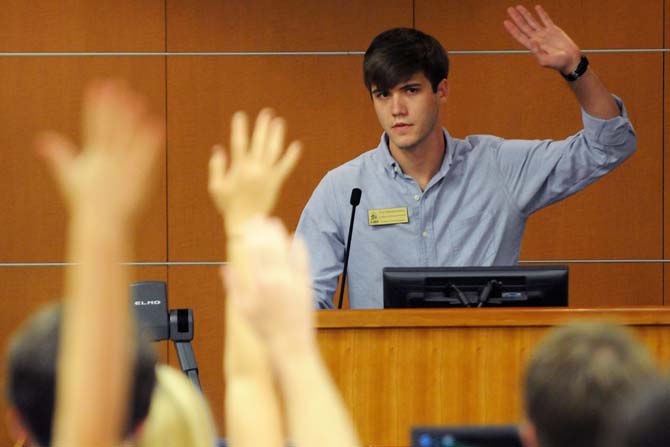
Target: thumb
(57,151)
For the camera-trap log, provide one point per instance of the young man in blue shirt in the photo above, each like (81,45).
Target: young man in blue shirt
(433,200)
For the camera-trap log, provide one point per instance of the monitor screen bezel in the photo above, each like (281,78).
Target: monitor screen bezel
(469,435)
(545,286)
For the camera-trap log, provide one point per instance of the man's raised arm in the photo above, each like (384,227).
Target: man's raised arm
(553,48)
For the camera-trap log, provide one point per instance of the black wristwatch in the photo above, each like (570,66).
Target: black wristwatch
(579,71)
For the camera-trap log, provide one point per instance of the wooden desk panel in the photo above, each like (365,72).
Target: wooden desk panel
(399,368)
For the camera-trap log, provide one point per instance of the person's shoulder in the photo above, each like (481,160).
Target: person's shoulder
(475,144)
(480,141)
(363,163)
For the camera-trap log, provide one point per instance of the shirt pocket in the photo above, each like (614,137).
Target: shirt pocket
(472,239)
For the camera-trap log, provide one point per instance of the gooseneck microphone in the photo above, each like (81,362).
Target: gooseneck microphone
(354,201)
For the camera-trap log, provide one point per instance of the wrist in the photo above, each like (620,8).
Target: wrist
(100,225)
(286,361)
(286,352)
(571,65)
(578,70)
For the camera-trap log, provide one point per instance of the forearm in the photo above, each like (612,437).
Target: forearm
(593,96)
(94,366)
(251,400)
(315,411)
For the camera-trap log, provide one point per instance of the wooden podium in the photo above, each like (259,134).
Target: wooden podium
(399,368)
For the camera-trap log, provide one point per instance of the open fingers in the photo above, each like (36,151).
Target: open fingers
(260,135)
(544,16)
(105,103)
(217,168)
(520,21)
(289,160)
(145,146)
(275,141)
(516,33)
(57,151)
(239,136)
(528,17)
(129,121)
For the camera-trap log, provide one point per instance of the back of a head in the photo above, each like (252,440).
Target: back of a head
(179,415)
(397,54)
(32,369)
(644,421)
(576,376)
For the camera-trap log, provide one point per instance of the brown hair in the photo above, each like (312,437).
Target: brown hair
(576,376)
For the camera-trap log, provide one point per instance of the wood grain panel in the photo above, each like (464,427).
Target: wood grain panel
(81,25)
(325,105)
(199,288)
(488,317)
(478,24)
(407,376)
(45,93)
(619,216)
(23,290)
(294,25)
(603,284)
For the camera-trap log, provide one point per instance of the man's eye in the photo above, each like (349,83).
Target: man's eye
(381,95)
(412,89)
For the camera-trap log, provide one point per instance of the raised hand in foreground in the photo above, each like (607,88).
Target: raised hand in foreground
(270,288)
(251,184)
(104,186)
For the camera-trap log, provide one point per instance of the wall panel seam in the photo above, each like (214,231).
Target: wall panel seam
(296,53)
(210,263)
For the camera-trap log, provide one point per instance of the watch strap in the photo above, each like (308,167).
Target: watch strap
(578,72)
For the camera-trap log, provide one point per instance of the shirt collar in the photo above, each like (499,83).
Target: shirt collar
(391,165)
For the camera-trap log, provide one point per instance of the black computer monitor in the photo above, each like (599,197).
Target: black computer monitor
(475,286)
(467,436)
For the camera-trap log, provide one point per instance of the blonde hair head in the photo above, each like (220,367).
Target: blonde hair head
(179,415)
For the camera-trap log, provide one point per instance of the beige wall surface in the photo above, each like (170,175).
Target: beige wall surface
(201,60)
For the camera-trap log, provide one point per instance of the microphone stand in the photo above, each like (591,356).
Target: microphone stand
(354,201)
(181,333)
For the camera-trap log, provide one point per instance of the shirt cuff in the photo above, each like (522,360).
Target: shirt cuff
(612,132)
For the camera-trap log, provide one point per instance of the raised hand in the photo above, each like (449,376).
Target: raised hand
(251,184)
(552,47)
(104,185)
(111,175)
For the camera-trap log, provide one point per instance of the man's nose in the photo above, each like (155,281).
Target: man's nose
(397,105)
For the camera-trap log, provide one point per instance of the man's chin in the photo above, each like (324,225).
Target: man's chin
(405,145)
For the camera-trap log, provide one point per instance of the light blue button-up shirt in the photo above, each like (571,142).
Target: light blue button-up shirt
(472,213)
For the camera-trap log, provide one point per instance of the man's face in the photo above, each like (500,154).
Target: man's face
(410,111)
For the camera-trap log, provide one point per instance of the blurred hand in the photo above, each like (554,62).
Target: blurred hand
(110,176)
(251,184)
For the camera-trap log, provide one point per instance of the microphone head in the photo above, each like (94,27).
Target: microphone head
(355,197)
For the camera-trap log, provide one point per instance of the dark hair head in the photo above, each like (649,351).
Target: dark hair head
(32,368)
(642,421)
(396,55)
(576,376)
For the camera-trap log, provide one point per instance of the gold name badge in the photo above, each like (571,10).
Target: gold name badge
(388,216)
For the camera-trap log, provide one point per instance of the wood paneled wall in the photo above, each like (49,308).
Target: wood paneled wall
(622,217)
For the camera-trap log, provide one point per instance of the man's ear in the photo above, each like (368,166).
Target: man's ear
(528,434)
(17,431)
(443,90)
